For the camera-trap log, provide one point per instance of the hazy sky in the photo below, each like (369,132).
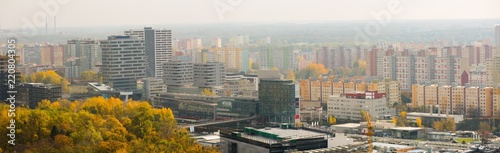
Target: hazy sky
(142,12)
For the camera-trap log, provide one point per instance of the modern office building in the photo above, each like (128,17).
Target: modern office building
(236,87)
(4,75)
(153,86)
(82,55)
(123,62)
(237,107)
(277,100)
(349,106)
(189,106)
(30,94)
(269,140)
(157,46)
(208,75)
(177,73)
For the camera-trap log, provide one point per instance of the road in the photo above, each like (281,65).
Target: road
(434,144)
(219,122)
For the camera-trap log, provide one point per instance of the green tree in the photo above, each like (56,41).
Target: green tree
(88,75)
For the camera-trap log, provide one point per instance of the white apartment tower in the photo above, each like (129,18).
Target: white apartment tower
(123,62)
(158,48)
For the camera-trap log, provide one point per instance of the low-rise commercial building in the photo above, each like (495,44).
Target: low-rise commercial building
(273,140)
(29,94)
(153,86)
(191,106)
(349,106)
(408,132)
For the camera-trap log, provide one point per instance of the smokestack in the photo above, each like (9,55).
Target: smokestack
(55,25)
(46,25)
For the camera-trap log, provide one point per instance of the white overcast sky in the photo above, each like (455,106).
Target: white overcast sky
(141,12)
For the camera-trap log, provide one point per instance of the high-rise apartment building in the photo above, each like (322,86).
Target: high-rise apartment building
(158,48)
(52,55)
(314,90)
(478,75)
(86,54)
(123,62)
(474,101)
(493,72)
(497,38)
(216,42)
(371,62)
(410,69)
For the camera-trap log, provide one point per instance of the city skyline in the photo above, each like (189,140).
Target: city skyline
(70,13)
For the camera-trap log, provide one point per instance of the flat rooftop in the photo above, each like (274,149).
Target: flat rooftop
(395,146)
(407,128)
(100,87)
(432,115)
(348,125)
(284,134)
(290,133)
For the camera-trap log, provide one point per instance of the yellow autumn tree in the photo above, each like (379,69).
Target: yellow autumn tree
(394,120)
(438,126)
(312,70)
(275,68)
(332,120)
(207,92)
(97,125)
(49,77)
(418,120)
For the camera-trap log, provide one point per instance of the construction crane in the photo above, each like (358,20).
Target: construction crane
(367,116)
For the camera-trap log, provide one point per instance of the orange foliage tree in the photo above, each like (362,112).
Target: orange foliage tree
(312,70)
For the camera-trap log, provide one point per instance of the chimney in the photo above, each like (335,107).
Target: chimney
(55,25)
